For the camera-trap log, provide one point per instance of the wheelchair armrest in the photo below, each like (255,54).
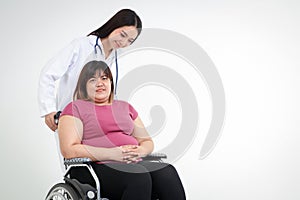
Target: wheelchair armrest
(155,157)
(149,157)
(74,161)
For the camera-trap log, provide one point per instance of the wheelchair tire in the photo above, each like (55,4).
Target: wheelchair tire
(62,191)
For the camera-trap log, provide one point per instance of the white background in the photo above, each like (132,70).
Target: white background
(255,46)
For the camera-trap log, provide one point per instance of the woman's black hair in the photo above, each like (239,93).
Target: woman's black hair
(124,17)
(89,70)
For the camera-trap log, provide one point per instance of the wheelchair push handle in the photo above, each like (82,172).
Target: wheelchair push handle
(56,117)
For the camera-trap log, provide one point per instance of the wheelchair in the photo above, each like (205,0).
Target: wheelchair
(72,189)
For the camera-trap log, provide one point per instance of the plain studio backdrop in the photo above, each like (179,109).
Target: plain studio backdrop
(255,47)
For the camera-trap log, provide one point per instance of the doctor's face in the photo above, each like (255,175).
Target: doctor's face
(99,88)
(123,36)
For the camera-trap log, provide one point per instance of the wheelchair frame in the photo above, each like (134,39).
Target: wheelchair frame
(72,189)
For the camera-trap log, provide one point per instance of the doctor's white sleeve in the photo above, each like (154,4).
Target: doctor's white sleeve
(52,71)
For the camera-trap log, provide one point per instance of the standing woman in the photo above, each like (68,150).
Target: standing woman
(118,32)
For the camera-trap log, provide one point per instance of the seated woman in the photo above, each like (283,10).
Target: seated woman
(111,132)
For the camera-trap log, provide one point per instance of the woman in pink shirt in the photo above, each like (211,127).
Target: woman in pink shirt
(111,133)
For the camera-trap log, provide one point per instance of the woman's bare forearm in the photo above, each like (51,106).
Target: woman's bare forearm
(94,153)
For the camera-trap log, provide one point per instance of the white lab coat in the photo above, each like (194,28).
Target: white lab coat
(66,67)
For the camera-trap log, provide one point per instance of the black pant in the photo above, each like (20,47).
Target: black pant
(142,181)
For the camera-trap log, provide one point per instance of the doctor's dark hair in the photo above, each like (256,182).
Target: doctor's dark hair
(124,17)
(92,69)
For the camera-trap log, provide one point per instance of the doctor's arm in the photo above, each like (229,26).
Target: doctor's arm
(53,71)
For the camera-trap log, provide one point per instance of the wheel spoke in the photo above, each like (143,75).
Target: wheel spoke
(62,192)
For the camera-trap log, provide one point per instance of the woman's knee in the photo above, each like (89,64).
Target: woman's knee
(138,182)
(129,174)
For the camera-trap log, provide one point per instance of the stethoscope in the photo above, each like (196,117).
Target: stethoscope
(116,61)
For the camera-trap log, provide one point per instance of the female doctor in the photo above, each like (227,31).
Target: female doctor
(118,32)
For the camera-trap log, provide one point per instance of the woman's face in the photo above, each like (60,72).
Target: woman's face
(99,88)
(123,36)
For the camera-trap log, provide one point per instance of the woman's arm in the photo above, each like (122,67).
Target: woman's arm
(146,145)
(141,134)
(70,131)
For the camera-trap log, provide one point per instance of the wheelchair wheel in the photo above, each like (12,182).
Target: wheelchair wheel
(62,191)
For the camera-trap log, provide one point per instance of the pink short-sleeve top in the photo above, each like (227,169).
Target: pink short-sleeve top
(106,125)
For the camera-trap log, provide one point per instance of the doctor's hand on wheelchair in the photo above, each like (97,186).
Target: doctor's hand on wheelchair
(50,121)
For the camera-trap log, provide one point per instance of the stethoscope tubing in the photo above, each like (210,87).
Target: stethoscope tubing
(116,61)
